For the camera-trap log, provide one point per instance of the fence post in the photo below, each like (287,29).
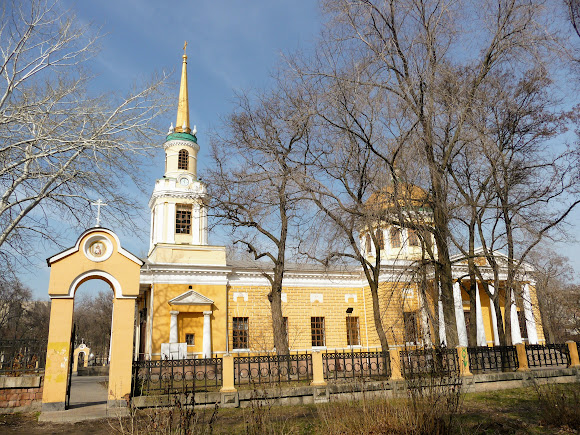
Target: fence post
(395,356)
(522,358)
(317,370)
(463,358)
(228,374)
(573,349)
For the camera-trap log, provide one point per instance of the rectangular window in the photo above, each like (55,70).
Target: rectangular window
(395,234)
(183,219)
(352,331)
(317,329)
(190,339)
(413,238)
(240,333)
(410,324)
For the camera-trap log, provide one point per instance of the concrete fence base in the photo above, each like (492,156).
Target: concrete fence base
(354,390)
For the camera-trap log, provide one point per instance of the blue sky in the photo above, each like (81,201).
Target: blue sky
(232,45)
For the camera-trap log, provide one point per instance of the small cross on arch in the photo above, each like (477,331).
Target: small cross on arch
(99,204)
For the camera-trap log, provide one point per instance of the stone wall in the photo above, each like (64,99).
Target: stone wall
(21,393)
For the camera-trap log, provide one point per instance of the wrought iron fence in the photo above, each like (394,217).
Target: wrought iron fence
(484,359)
(546,355)
(356,365)
(176,376)
(18,357)
(437,361)
(98,360)
(263,369)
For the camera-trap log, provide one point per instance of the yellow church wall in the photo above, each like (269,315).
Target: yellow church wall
(162,293)
(298,309)
(395,298)
(191,323)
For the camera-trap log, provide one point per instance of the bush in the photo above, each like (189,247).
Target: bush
(429,408)
(559,405)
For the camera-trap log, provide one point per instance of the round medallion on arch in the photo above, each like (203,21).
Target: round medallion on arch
(98,248)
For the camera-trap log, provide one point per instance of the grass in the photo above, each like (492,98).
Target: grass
(533,410)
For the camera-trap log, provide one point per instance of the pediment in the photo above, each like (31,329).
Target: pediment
(191,297)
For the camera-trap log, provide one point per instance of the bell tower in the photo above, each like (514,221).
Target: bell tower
(179,200)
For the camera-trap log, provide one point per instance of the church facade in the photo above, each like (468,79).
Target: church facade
(194,302)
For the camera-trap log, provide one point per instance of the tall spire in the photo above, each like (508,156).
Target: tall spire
(182,123)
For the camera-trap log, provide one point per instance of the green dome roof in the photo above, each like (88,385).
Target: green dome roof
(182,136)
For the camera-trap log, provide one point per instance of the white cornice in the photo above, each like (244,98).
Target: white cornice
(180,143)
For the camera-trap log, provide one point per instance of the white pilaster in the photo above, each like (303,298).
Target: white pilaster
(459,316)
(515,324)
(207,334)
(529,314)
(171,222)
(195,225)
(137,333)
(481,339)
(173,332)
(442,333)
(493,317)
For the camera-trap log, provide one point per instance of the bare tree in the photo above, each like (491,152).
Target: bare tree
(413,53)
(92,317)
(558,295)
(253,188)
(574,11)
(61,146)
(14,297)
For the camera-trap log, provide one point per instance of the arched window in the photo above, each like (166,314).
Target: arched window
(395,234)
(368,243)
(183,160)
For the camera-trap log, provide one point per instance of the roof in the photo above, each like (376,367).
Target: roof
(407,196)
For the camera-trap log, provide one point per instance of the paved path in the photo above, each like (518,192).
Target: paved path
(88,401)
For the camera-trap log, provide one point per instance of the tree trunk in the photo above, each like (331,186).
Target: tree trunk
(374,288)
(280,333)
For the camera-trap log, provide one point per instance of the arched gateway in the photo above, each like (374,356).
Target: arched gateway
(97,254)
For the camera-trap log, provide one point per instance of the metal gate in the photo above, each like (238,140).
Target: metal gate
(70,366)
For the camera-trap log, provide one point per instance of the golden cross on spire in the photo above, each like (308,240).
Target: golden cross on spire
(184,48)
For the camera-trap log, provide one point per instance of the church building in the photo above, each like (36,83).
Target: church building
(194,302)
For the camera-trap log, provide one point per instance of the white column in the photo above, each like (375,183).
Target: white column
(159,223)
(442,333)
(529,314)
(459,316)
(195,225)
(173,332)
(481,339)
(424,319)
(207,334)
(203,218)
(152,231)
(515,324)
(493,317)
(170,223)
